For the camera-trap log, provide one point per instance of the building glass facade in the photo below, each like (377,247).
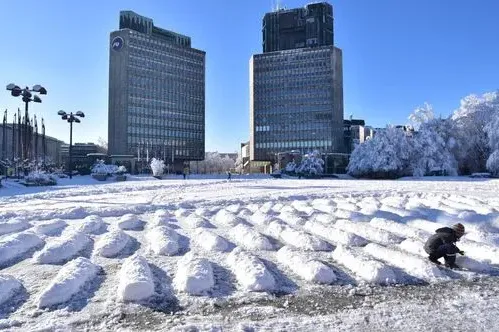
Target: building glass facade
(156,93)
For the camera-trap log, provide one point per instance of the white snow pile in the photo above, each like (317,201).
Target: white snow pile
(417,247)
(194,221)
(351,215)
(346,205)
(163,240)
(366,268)
(250,271)
(296,238)
(161,218)
(9,286)
(310,270)
(136,282)
(69,281)
(480,251)
(397,228)
(130,222)
(368,232)
(335,235)
(413,265)
(303,207)
(292,217)
(249,238)
(89,225)
(15,245)
(266,207)
(234,208)
(194,275)
(50,227)
(324,218)
(181,212)
(425,225)
(112,243)
(260,218)
(324,205)
(227,218)
(63,248)
(210,241)
(13,225)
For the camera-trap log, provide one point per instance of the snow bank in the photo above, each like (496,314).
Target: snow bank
(15,245)
(250,271)
(89,225)
(9,286)
(227,218)
(293,218)
(351,215)
(425,225)
(13,225)
(210,241)
(112,243)
(325,206)
(195,221)
(50,227)
(249,238)
(416,247)
(369,232)
(161,218)
(130,222)
(324,218)
(296,238)
(194,275)
(163,240)
(310,270)
(400,229)
(337,236)
(62,248)
(398,211)
(260,218)
(366,268)
(136,282)
(69,281)
(413,265)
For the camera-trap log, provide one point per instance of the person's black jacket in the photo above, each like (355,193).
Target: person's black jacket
(444,235)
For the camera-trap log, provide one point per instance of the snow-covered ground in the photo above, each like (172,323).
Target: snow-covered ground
(246,255)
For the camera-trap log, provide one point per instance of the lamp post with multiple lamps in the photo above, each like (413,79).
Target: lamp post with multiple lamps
(71,118)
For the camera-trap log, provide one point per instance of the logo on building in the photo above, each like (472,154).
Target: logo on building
(117,43)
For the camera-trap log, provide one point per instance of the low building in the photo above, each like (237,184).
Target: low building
(355,132)
(83,155)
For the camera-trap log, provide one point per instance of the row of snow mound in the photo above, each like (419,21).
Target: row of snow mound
(89,225)
(195,221)
(308,269)
(295,238)
(251,273)
(163,240)
(136,281)
(249,238)
(226,218)
(210,241)
(368,232)
(130,222)
(16,245)
(63,248)
(50,227)
(9,286)
(399,229)
(13,225)
(334,235)
(194,275)
(112,243)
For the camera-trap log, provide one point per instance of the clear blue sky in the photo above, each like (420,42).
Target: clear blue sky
(397,54)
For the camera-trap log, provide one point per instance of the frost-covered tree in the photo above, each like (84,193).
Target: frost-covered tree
(290,167)
(311,164)
(492,129)
(421,115)
(157,167)
(239,163)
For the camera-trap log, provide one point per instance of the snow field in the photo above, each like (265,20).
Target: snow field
(136,282)
(250,271)
(296,238)
(227,218)
(63,248)
(399,229)
(50,227)
(334,235)
(194,221)
(13,225)
(210,241)
(89,225)
(310,270)
(112,243)
(364,267)
(368,232)
(417,247)
(194,275)
(68,282)
(130,222)
(163,240)
(413,265)
(249,238)
(15,245)
(9,286)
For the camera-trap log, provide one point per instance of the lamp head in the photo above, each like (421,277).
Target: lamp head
(61,113)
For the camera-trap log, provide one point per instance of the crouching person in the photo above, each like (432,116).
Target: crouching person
(443,244)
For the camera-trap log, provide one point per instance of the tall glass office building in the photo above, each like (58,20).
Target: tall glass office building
(296,93)
(156,93)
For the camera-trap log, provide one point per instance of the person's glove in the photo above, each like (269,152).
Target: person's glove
(461,252)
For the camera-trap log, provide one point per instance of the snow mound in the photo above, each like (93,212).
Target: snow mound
(303,207)
(161,218)
(293,218)
(163,241)
(482,236)
(480,251)
(337,236)
(366,268)
(227,218)
(181,212)
(296,238)
(347,206)
(399,228)
(250,271)
(50,227)
(351,215)
(112,243)
(413,265)
(136,282)
(68,245)
(324,218)
(425,225)
(69,281)
(249,238)
(89,225)
(277,207)
(210,241)
(194,275)
(266,208)
(15,245)
(368,232)
(310,270)
(130,222)
(260,218)
(9,286)
(195,221)
(13,225)
(398,211)
(417,247)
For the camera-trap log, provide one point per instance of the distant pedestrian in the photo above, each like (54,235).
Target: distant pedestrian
(229,175)
(186,172)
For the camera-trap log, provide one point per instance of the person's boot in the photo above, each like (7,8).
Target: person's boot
(434,260)
(451,265)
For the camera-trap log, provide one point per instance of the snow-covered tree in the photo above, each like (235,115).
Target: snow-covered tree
(492,129)
(157,167)
(311,164)
(421,115)
(290,167)
(239,163)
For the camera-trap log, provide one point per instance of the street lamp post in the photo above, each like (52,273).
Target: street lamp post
(71,118)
